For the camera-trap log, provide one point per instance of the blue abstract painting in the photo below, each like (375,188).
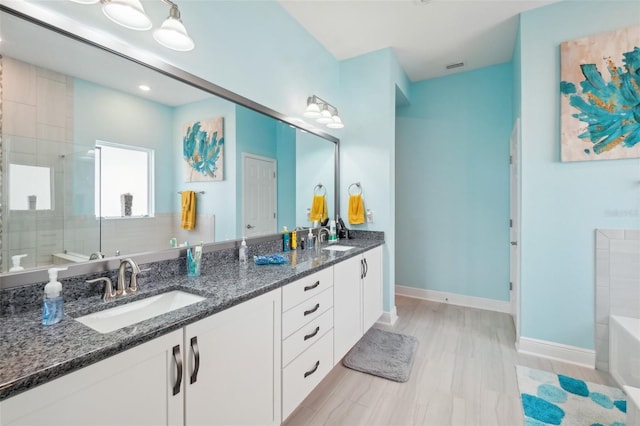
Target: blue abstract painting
(203,150)
(600,96)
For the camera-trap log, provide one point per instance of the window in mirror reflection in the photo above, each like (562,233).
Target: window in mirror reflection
(124,181)
(29,187)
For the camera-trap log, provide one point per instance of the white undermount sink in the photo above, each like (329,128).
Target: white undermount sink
(338,247)
(121,316)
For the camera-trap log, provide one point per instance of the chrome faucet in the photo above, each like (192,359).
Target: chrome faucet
(121,289)
(109,292)
(320,239)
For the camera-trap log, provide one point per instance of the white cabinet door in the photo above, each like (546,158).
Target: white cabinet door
(233,365)
(134,387)
(372,288)
(347,305)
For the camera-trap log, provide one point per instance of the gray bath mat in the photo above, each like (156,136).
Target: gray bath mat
(384,354)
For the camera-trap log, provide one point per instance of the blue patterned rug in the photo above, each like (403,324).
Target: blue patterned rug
(554,399)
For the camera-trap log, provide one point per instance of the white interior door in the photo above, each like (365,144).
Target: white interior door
(514,232)
(259,198)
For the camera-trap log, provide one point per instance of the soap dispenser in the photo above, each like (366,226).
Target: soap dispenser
(243,251)
(310,238)
(15,263)
(52,307)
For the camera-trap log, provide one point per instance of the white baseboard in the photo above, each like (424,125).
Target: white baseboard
(557,351)
(455,299)
(389,318)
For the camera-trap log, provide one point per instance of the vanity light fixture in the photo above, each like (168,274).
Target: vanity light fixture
(172,33)
(130,14)
(323,112)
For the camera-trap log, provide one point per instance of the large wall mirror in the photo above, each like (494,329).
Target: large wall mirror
(93,165)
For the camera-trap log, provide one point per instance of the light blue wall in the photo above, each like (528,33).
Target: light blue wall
(563,203)
(367,149)
(452,184)
(314,164)
(219,197)
(256,134)
(286,151)
(108,115)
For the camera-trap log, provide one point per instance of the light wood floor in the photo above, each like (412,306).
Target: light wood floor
(463,374)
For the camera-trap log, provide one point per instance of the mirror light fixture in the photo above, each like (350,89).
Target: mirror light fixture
(130,14)
(323,112)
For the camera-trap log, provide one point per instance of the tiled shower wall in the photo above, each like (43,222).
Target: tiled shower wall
(617,283)
(37,130)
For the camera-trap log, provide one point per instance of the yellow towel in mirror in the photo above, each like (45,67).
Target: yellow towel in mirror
(318,209)
(356,209)
(188,221)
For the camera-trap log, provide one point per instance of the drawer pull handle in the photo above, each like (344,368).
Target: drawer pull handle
(309,336)
(312,286)
(310,372)
(366,268)
(310,311)
(178,360)
(196,356)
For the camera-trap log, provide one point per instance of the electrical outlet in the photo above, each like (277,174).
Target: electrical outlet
(369,216)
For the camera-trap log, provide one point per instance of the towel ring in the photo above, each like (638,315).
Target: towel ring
(319,187)
(358,188)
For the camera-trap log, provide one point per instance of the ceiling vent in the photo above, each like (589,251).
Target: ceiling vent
(457,65)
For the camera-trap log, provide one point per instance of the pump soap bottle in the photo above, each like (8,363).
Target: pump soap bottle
(52,307)
(243,252)
(15,263)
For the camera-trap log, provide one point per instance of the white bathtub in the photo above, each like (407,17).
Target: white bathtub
(624,361)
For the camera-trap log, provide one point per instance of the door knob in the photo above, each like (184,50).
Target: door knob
(514,243)
(250,226)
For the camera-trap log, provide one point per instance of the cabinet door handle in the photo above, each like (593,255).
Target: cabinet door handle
(361,269)
(178,360)
(313,370)
(196,356)
(310,311)
(309,336)
(312,286)
(366,267)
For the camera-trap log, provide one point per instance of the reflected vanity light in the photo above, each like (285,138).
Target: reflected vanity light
(130,14)
(323,112)
(144,87)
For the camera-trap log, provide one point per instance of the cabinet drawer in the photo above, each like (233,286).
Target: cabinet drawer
(306,287)
(305,372)
(305,312)
(310,333)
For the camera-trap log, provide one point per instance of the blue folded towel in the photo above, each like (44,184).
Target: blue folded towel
(272,259)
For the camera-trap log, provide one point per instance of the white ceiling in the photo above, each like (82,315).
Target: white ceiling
(426,36)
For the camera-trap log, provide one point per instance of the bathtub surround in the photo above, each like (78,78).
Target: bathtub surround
(617,285)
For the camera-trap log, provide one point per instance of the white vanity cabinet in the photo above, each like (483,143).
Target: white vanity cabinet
(233,365)
(307,336)
(357,299)
(134,388)
(221,370)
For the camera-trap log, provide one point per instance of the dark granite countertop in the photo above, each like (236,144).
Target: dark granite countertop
(33,354)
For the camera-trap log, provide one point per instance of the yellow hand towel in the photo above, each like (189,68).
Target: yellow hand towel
(356,209)
(188,221)
(318,209)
